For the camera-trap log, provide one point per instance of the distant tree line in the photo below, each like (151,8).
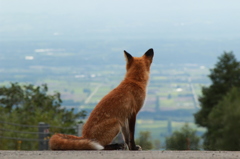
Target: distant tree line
(185,139)
(146,142)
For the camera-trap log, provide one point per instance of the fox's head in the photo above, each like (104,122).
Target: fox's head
(138,67)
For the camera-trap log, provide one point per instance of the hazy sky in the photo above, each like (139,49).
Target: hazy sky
(206,27)
(129,18)
(116,7)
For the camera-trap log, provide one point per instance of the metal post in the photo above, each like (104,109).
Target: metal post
(44,134)
(79,129)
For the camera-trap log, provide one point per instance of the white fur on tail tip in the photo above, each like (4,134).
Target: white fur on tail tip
(97,146)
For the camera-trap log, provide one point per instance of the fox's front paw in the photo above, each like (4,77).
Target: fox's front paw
(138,148)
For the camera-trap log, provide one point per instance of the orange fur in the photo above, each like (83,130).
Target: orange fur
(115,112)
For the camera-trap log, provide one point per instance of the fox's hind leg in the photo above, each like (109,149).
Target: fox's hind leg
(126,134)
(104,132)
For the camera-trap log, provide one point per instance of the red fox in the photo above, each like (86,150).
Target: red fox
(115,113)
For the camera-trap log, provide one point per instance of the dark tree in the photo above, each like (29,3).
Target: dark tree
(225,122)
(224,76)
(169,127)
(158,103)
(29,105)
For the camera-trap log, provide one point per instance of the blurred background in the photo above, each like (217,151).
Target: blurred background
(76,48)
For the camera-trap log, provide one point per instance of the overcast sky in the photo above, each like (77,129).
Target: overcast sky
(117,6)
(157,18)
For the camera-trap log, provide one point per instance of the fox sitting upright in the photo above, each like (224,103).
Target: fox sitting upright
(115,113)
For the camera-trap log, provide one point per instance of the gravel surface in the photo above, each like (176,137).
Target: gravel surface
(119,154)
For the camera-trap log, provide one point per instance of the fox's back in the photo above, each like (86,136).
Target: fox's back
(120,102)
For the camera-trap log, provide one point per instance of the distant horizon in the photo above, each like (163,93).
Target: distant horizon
(182,31)
(75,53)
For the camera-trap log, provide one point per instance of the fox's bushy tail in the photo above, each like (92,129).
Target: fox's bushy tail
(71,142)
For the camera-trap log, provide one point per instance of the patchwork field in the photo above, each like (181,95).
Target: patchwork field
(170,103)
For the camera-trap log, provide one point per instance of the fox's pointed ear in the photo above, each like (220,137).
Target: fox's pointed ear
(128,56)
(149,54)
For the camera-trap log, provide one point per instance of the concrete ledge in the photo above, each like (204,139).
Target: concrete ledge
(119,154)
